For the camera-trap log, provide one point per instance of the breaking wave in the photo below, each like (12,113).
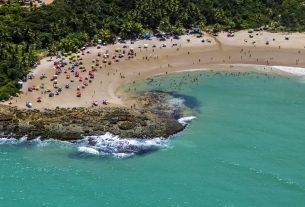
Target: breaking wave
(110,145)
(291,70)
(186,120)
(107,145)
(12,141)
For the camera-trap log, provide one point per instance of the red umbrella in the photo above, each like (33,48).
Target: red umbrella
(39,99)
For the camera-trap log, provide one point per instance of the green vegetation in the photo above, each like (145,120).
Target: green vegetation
(68,24)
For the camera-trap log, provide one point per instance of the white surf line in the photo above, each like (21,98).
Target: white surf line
(185,120)
(296,71)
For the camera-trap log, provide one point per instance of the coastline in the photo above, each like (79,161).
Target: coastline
(185,57)
(222,54)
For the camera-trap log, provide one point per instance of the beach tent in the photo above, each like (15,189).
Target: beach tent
(197,30)
(147,35)
(20,84)
(24,79)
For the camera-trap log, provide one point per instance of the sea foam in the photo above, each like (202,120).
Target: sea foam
(292,70)
(296,71)
(107,145)
(186,120)
(111,145)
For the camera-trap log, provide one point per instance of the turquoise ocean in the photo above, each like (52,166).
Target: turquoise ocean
(246,147)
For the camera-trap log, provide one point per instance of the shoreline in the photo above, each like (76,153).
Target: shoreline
(68,117)
(221,52)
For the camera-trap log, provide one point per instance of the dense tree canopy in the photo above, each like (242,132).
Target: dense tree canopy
(68,24)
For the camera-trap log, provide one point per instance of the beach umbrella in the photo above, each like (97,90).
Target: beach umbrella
(39,99)
(95,103)
(29,104)
(30,89)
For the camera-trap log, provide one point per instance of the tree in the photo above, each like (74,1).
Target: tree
(105,34)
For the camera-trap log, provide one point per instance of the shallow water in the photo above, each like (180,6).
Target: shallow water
(245,148)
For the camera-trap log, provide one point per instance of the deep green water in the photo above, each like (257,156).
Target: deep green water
(246,148)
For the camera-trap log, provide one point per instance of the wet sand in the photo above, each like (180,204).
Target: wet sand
(222,53)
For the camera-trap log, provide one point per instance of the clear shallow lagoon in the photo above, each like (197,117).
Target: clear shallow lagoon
(246,148)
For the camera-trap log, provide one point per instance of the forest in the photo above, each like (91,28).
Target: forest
(66,25)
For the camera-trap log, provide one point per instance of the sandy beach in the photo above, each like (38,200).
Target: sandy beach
(220,53)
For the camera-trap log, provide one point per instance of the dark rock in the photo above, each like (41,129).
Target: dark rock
(152,118)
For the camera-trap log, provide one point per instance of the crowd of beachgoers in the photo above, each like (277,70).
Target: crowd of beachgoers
(94,75)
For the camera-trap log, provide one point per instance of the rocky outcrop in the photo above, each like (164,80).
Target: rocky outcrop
(72,124)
